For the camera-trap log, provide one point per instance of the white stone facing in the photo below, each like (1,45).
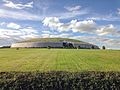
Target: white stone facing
(51,44)
(37,44)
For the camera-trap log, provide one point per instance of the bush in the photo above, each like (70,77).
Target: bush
(103,47)
(60,81)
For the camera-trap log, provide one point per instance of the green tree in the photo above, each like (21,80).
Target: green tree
(103,47)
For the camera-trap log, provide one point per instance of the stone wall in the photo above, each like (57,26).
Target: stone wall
(51,44)
(37,45)
(87,46)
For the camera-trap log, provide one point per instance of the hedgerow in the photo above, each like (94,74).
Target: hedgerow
(59,80)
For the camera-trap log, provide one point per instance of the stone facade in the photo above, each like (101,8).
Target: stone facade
(86,46)
(38,45)
(53,45)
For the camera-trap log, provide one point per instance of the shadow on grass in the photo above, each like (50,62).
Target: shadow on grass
(60,80)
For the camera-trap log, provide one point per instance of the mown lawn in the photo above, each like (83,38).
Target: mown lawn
(72,60)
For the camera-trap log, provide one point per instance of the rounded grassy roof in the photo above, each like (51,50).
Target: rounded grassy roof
(51,40)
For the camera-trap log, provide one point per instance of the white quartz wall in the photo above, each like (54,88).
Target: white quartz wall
(38,44)
(51,44)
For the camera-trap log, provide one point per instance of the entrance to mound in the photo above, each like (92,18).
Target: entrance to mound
(68,45)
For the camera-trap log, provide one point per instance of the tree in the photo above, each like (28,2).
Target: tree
(103,47)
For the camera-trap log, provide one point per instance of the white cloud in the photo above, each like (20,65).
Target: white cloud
(109,17)
(107,30)
(75,8)
(22,33)
(3,23)
(74,25)
(46,32)
(13,25)
(66,15)
(62,35)
(17,32)
(72,12)
(52,22)
(86,26)
(82,26)
(45,35)
(28,30)
(19,15)
(64,27)
(10,4)
(24,37)
(9,33)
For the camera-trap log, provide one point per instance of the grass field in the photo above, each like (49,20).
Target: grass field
(71,60)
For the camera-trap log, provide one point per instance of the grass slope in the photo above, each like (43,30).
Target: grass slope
(51,40)
(71,60)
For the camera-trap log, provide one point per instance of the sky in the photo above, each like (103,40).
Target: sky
(93,21)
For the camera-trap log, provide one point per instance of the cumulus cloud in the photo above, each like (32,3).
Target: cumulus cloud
(13,25)
(74,8)
(52,22)
(82,26)
(74,25)
(107,30)
(10,4)
(85,26)
(64,27)
(16,32)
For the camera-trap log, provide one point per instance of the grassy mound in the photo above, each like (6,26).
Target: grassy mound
(51,40)
(60,81)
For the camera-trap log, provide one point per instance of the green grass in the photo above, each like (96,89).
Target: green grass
(51,40)
(71,60)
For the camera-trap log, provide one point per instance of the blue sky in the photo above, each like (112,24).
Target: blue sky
(94,21)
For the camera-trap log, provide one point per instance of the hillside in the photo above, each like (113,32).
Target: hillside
(51,40)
